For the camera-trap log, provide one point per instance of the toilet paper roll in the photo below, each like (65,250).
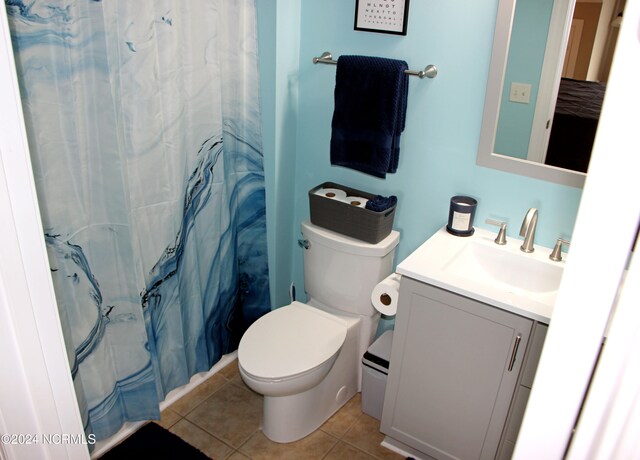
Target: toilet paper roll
(333,193)
(385,295)
(356,201)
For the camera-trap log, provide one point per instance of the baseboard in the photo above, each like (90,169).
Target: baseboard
(404,450)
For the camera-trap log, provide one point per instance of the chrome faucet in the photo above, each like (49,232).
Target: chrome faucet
(528,230)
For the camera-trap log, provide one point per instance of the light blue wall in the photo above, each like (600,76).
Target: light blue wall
(524,65)
(439,144)
(279,41)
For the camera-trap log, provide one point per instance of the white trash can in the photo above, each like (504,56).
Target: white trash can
(375,367)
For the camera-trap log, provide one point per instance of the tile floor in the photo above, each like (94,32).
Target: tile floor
(221,417)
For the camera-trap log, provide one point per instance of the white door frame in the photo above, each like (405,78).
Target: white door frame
(37,396)
(559,26)
(605,231)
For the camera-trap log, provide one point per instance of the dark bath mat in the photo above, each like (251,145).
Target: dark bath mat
(153,441)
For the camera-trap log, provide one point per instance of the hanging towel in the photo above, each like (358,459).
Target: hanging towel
(369,114)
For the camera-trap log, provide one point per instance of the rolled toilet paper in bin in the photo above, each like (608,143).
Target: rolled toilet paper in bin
(384,296)
(356,201)
(334,193)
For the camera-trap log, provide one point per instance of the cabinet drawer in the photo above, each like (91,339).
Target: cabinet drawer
(517,413)
(533,354)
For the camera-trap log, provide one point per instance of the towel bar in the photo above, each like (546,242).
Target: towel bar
(429,71)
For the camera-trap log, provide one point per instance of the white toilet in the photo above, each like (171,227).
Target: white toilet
(305,358)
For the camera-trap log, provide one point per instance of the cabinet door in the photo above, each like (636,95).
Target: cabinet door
(453,370)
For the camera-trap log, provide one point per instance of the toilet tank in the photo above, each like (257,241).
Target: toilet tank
(340,272)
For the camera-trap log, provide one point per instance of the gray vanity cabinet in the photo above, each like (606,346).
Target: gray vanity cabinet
(521,395)
(453,371)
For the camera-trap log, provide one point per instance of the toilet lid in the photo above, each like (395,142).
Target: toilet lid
(290,340)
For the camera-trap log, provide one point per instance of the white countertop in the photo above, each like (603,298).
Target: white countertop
(430,264)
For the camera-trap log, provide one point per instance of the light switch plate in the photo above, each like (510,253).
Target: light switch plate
(520,92)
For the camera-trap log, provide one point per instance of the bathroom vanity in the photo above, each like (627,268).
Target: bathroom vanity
(469,332)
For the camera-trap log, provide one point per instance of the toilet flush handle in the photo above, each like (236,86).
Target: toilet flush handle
(304,244)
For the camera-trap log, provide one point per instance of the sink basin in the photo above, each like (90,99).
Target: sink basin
(476,267)
(512,271)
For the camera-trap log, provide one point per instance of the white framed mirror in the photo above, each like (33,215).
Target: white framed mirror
(526,155)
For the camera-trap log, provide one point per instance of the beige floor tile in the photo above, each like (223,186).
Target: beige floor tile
(198,395)
(344,419)
(343,451)
(232,374)
(201,440)
(230,370)
(223,414)
(168,418)
(365,435)
(231,414)
(314,446)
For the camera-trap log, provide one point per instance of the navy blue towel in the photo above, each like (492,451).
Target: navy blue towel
(369,114)
(381,203)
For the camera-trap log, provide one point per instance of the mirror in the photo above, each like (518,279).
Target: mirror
(516,133)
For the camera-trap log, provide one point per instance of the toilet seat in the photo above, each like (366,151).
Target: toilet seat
(290,341)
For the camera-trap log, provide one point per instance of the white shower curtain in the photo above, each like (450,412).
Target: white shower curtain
(144,128)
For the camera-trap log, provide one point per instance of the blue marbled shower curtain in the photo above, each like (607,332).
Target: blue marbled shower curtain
(144,127)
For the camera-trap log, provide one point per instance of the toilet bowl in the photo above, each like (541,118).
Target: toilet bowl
(303,361)
(304,358)
(290,350)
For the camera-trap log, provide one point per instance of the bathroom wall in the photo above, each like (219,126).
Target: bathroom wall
(439,144)
(279,40)
(526,56)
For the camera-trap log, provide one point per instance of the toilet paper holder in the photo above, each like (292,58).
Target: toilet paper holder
(384,296)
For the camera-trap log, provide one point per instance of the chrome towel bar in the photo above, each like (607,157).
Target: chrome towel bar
(429,71)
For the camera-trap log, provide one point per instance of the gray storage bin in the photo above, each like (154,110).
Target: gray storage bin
(375,367)
(359,223)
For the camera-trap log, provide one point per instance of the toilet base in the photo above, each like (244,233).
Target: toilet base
(290,418)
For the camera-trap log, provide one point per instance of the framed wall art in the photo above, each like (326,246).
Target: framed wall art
(385,16)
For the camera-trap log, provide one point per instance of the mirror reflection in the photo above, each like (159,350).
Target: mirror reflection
(555,78)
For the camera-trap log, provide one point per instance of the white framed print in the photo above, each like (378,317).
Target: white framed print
(385,16)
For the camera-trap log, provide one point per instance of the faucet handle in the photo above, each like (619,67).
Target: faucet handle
(501,239)
(556,254)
